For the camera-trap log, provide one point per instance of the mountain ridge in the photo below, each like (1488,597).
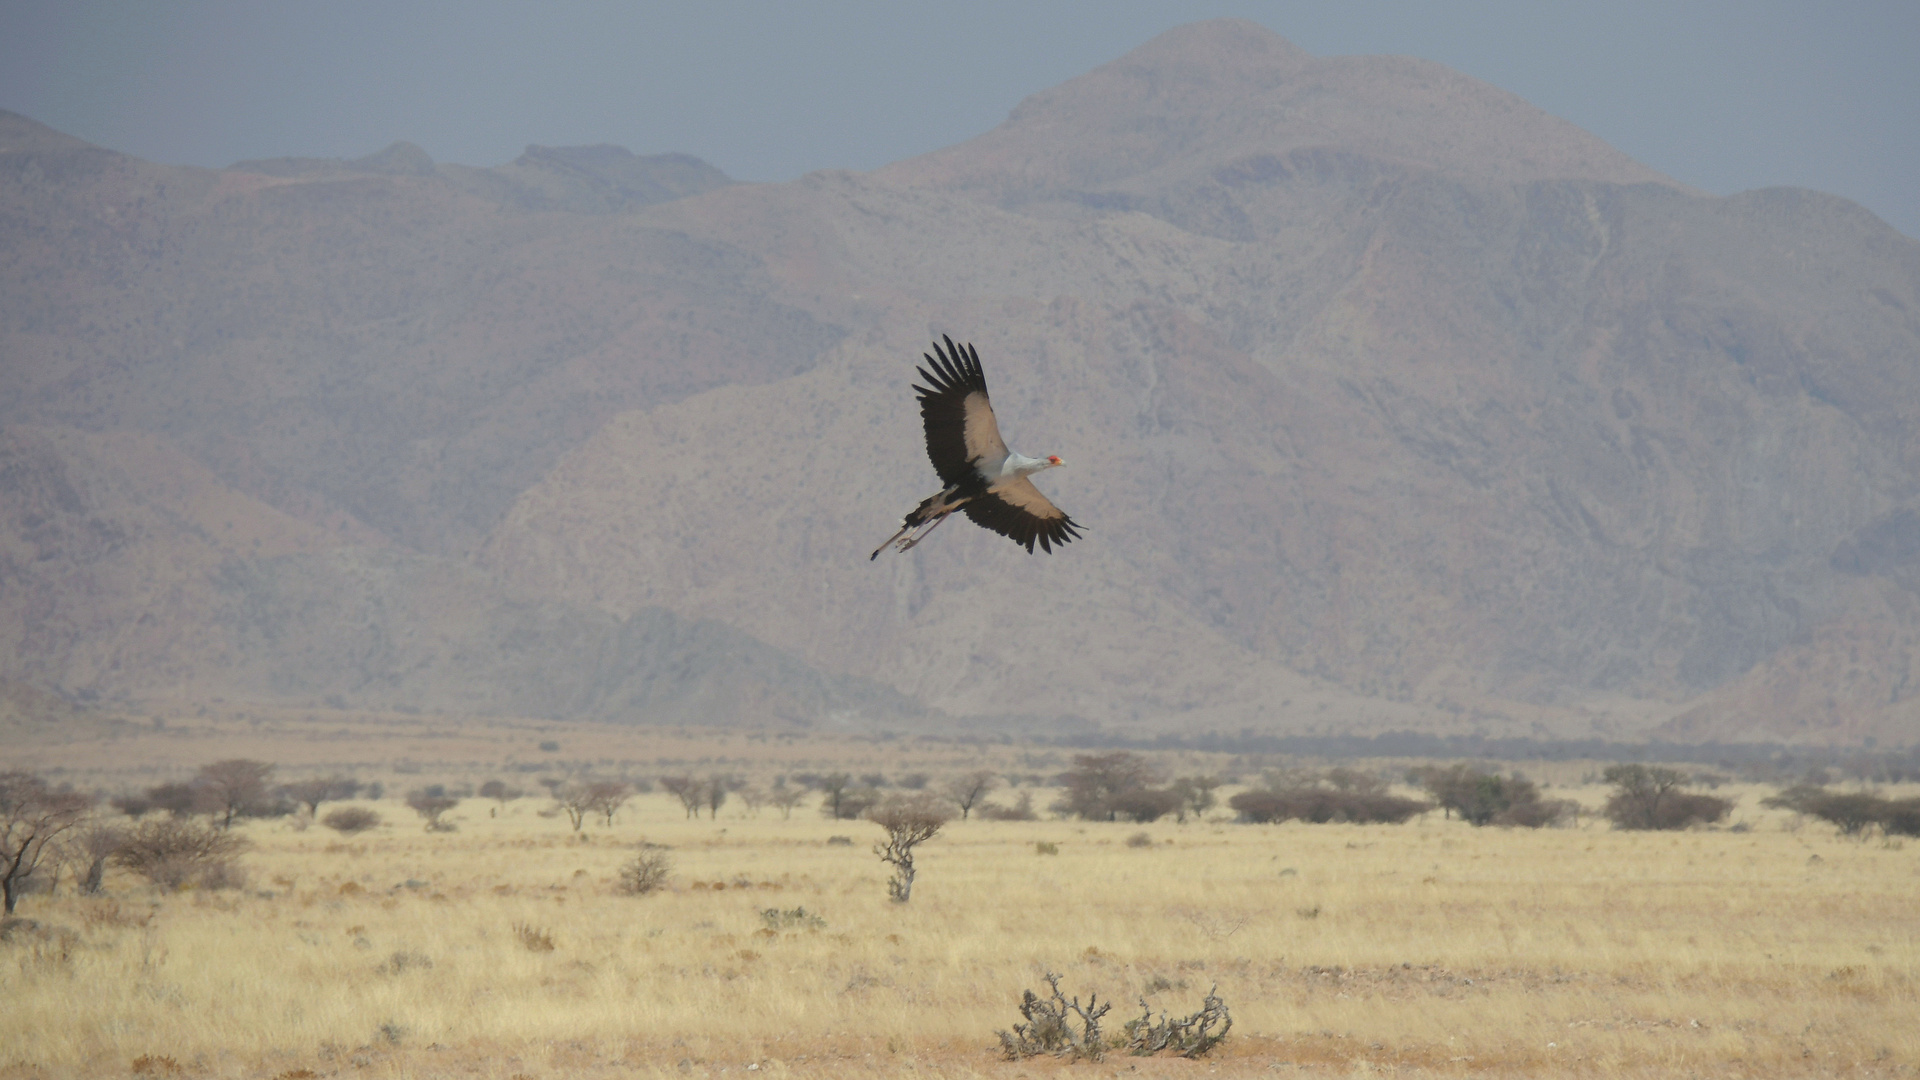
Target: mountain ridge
(1390,401)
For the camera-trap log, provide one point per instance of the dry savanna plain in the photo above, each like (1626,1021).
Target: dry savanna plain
(1768,946)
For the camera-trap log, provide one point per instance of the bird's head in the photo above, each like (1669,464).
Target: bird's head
(1054,459)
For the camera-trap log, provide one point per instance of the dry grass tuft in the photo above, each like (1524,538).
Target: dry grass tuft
(533,938)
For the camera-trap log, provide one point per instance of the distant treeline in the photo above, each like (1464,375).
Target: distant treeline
(1758,761)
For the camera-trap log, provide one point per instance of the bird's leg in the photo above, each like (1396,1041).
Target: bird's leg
(889,540)
(924,533)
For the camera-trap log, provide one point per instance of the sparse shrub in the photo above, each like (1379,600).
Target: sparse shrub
(1486,798)
(1651,797)
(1050,1026)
(690,792)
(1145,804)
(174,853)
(1317,801)
(236,787)
(967,791)
(33,815)
(1189,1036)
(909,822)
(1140,840)
(839,841)
(500,791)
(533,937)
(1045,847)
(152,1065)
(316,790)
(785,798)
(351,820)
(1196,794)
(1903,818)
(1852,812)
(646,873)
(180,800)
(404,960)
(1102,787)
(795,918)
(1021,810)
(431,805)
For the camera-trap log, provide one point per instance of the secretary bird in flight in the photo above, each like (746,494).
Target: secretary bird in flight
(984,480)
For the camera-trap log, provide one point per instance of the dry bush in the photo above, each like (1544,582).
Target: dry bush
(1189,1036)
(349,820)
(909,821)
(1021,810)
(1652,797)
(1483,797)
(1852,812)
(967,791)
(174,853)
(431,806)
(152,1065)
(1140,840)
(1050,1026)
(534,938)
(646,873)
(1319,805)
(404,960)
(794,918)
(1045,847)
(33,816)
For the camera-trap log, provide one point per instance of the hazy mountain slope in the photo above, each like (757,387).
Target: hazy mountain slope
(385,345)
(1438,437)
(128,570)
(1388,400)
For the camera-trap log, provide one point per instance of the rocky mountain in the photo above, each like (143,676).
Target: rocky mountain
(1390,402)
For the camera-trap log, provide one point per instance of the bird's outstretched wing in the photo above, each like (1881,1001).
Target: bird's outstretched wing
(1019,511)
(957,415)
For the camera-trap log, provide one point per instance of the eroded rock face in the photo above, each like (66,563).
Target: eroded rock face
(1390,401)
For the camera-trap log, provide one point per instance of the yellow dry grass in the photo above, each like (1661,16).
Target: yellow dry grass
(1429,948)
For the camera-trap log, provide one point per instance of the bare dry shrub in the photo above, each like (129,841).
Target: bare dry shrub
(1140,840)
(405,960)
(349,820)
(41,945)
(1050,1026)
(794,918)
(534,938)
(909,821)
(1189,1036)
(151,1065)
(33,816)
(175,853)
(1021,810)
(647,873)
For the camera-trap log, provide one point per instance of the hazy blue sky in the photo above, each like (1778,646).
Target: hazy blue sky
(1719,94)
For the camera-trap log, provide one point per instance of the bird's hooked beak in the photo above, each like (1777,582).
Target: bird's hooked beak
(1054,459)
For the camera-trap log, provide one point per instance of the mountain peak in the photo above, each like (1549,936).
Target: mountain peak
(20,134)
(1209,94)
